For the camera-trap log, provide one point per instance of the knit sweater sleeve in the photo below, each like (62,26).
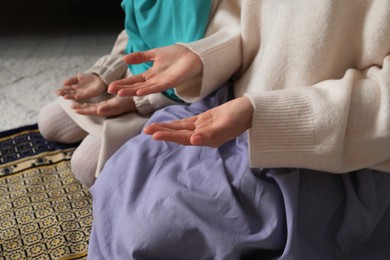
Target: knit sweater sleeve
(111,67)
(335,125)
(220,52)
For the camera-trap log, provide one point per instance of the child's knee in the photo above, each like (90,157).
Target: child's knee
(46,122)
(56,125)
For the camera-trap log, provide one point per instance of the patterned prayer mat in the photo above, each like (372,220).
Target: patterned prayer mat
(45,213)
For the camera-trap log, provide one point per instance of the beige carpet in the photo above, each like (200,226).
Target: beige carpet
(43,42)
(33,66)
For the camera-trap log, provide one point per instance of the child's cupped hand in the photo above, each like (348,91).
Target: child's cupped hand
(82,86)
(114,106)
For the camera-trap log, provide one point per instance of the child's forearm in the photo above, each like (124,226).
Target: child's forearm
(111,67)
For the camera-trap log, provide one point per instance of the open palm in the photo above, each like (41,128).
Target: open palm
(172,66)
(211,128)
(114,106)
(82,86)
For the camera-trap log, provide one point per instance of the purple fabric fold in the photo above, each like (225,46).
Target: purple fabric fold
(160,200)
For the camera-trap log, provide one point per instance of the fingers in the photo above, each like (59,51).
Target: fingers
(137,89)
(132,81)
(140,57)
(71,81)
(197,139)
(180,125)
(207,139)
(125,91)
(152,88)
(70,93)
(116,106)
(128,81)
(180,137)
(186,132)
(85,108)
(67,93)
(112,107)
(184,137)
(179,131)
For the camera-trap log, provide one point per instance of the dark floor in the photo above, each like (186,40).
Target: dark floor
(56,16)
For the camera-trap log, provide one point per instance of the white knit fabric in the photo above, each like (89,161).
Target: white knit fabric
(318,75)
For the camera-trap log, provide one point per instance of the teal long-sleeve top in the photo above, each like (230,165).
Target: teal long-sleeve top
(156,23)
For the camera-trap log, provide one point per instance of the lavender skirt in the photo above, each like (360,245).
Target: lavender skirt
(159,200)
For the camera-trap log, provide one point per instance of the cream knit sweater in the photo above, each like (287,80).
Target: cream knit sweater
(317,73)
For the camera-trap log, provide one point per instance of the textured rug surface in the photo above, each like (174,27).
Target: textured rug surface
(45,213)
(32,68)
(44,42)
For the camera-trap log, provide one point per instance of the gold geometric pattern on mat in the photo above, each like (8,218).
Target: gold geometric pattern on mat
(45,213)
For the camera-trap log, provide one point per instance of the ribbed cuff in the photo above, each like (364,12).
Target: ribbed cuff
(150,103)
(107,75)
(215,54)
(282,129)
(109,68)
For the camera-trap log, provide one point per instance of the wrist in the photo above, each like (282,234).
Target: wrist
(102,85)
(247,105)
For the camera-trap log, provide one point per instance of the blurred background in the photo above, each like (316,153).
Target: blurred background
(49,16)
(43,42)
